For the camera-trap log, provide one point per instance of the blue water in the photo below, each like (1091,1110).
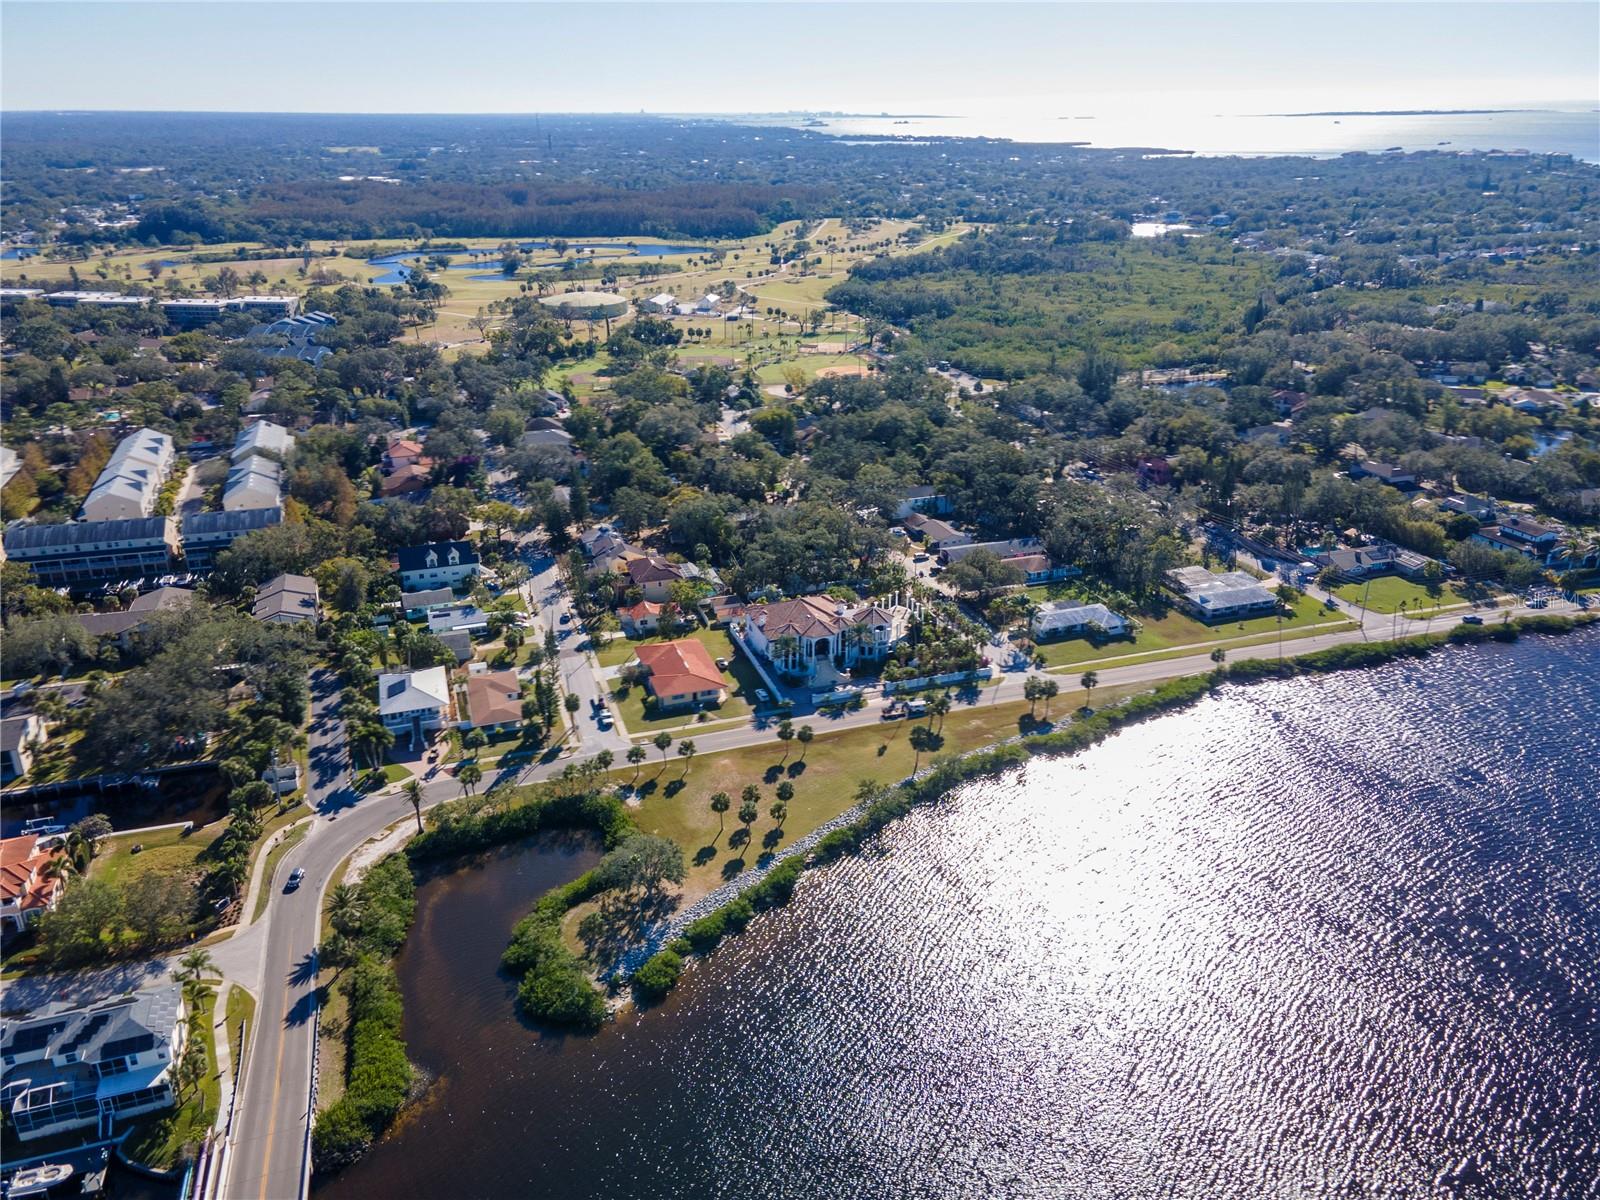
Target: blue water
(1572,129)
(489,268)
(1328,938)
(19,252)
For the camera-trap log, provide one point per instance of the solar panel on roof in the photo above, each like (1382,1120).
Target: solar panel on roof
(91,1027)
(136,1044)
(34,1037)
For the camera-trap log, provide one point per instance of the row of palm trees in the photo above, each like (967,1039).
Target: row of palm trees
(750,807)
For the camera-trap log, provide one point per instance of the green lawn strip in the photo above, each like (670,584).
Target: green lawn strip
(1386,593)
(274,856)
(621,649)
(239,1010)
(1078,652)
(158,1139)
(824,787)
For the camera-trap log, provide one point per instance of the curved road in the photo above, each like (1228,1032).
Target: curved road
(276,956)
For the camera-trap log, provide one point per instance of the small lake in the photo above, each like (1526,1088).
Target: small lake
(1328,937)
(486,262)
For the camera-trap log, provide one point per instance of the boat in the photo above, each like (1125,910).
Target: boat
(38,1181)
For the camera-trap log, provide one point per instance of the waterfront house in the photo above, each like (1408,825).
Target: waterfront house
(795,636)
(681,674)
(29,888)
(288,600)
(414,703)
(440,564)
(494,701)
(19,738)
(1369,562)
(1228,596)
(1072,618)
(70,1067)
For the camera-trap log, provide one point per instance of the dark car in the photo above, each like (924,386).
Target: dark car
(1472,620)
(296,876)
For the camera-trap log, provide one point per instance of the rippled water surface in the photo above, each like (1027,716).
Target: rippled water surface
(1332,937)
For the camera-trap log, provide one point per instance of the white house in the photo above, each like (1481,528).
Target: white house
(795,635)
(262,437)
(131,480)
(28,887)
(466,618)
(77,1068)
(1065,618)
(414,703)
(1228,596)
(663,302)
(19,737)
(253,482)
(440,564)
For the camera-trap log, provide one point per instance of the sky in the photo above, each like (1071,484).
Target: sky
(958,59)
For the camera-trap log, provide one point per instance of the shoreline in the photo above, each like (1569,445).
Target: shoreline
(648,970)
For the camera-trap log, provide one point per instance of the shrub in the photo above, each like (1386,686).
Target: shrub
(659,975)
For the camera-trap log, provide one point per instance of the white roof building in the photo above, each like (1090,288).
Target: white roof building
(1218,597)
(254,482)
(131,480)
(416,703)
(263,437)
(1069,616)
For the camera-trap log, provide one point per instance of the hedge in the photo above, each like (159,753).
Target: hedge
(379,1075)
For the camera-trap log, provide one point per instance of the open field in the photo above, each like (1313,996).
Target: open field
(675,800)
(1387,593)
(167,852)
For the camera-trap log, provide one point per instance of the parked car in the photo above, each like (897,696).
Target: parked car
(921,558)
(603,719)
(566,618)
(296,877)
(763,696)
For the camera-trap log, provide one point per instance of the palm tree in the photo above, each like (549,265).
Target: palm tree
(685,752)
(1033,692)
(636,757)
(805,733)
(938,707)
(786,791)
(748,812)
(468,775)
(194,965)
(344,908)
(60,868)
(779,809)
(921,739)
(785,735)
(662,741)
(1048,690)
(1088,683)
(413,794)
(721,802)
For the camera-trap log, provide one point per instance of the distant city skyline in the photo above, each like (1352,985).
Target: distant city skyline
(955,59)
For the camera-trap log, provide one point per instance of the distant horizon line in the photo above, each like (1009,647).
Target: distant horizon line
(1578,106)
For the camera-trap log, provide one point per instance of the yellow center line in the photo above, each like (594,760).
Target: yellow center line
(272,1121)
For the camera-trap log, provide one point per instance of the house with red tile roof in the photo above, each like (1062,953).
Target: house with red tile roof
(27,891)
(640,619)
(795,635)
(682,674)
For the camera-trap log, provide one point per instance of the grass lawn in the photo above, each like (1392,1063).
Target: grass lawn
(1386,593)
(675,802)
(166,852)
(741,678)
(620,649)
(158,1139)
(1180,633)
(240,1009)
(274,856)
